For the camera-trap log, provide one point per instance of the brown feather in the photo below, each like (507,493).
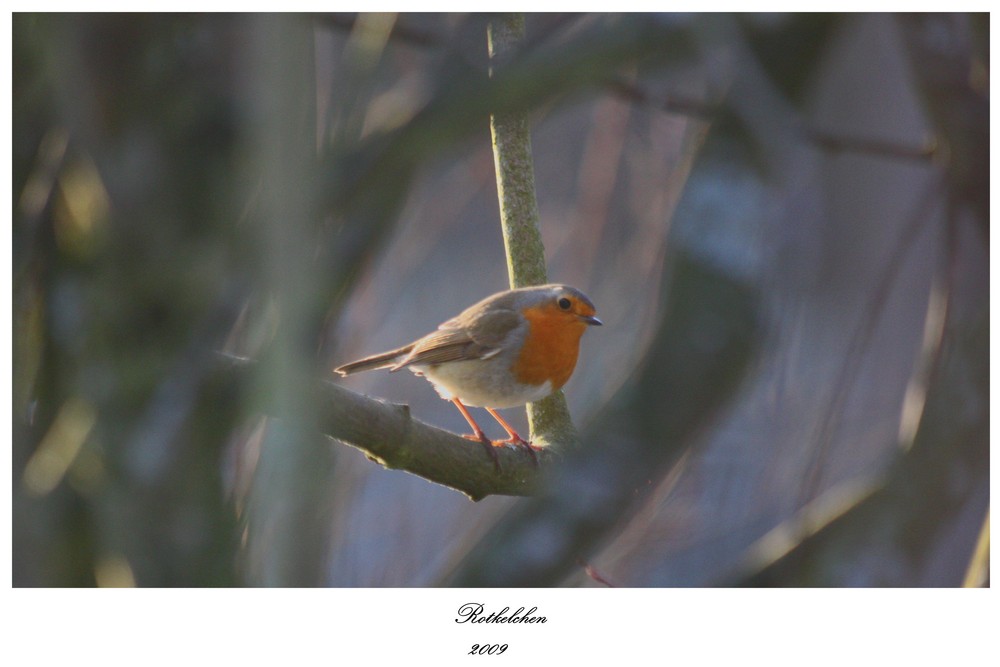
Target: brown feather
(463,338)
(381,360)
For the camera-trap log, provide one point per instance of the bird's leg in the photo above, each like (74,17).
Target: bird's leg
(514,439)
(477,434)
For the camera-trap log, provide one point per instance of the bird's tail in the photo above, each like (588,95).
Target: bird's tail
(383,360)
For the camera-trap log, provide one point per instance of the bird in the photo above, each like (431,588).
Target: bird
(514,347)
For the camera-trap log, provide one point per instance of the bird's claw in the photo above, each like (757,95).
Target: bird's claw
(521,443)
(491,445)
(488,445)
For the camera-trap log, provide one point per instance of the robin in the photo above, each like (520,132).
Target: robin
(509,349)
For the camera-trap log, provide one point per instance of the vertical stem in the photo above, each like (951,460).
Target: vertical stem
(514,167)
(549,418)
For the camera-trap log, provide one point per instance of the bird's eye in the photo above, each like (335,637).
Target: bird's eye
(565,303)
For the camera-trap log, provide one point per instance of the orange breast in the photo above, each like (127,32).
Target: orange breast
(551,347)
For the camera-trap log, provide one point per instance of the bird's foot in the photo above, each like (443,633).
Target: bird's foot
(520,443)
(488,445)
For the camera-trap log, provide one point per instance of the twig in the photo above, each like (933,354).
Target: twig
(687,106)
(877,147)
(594,574)
(826,140)
(865,329)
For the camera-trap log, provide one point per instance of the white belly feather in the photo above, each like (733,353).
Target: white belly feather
(473,383)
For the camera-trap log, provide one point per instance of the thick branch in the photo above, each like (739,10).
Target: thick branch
(387,434)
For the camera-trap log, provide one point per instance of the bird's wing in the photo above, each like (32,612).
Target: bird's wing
(463,339)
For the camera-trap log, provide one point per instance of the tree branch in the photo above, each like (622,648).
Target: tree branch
(390,436)
(515,171)
(548,419)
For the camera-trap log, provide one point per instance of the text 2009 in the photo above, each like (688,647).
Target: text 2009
(488,649)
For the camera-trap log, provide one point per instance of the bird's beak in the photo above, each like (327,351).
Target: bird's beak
(590,319)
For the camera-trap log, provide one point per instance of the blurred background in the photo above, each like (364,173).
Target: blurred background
(782,220)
